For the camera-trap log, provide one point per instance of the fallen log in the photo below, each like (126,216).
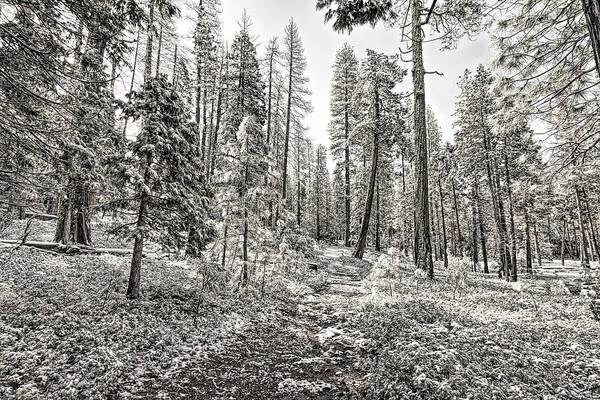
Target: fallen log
(68,249)
(37,215)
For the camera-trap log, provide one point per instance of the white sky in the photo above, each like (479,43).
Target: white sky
(321,42)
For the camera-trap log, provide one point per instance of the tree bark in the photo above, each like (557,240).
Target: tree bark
(377,221)
(270,93)
(318,195)
(591,223)
(562,242)
(583,253)
(459,241)
(423,259)
(482,230)
(133,289)
(591,9)
(513,234)
(364,231)
(538,250)
(298,186)
(444,237)
(475,242)
(528,255)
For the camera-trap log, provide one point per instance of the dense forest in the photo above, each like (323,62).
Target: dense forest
(164,201)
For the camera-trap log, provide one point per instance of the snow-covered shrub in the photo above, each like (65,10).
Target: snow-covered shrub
(458,274)
(384,276)
(301,244)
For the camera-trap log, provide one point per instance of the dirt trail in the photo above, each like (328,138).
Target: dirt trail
(304,351)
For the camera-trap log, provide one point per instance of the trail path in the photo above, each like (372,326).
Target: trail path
(306,351)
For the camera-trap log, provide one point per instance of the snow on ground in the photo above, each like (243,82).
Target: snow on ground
(374,331)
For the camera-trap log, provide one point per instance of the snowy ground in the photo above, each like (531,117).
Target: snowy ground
(66,331)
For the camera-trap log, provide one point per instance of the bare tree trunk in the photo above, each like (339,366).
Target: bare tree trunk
(538,250)
(174,81)
(377,221)
(347,165)
(592,225)
(298,187)
(133,289)
(270,93)
(318,194)
(160,36)
(459,241)
(562,242)
(592,16)
(434,232)
(584,255)
(528,255)
(513,235)
(288,121)
(423,259)
(224,254)
(364,231)
(445,239)
(482,230)
(149,45)
(475,241)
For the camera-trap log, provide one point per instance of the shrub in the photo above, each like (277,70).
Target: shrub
(458,271)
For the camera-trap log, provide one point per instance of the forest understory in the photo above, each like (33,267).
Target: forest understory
(349,330)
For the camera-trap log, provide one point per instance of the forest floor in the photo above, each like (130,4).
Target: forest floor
(67,331)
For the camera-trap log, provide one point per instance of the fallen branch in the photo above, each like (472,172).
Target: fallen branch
(37,215)
(68,249)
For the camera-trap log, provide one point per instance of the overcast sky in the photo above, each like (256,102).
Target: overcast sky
(321,42)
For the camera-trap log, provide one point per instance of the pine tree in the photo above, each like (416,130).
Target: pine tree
(297,103)
(379,75)
(344,81)
(243,160)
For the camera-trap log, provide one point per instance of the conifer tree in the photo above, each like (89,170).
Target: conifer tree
(297,93)
(343,84)
(379,75)
(163,166)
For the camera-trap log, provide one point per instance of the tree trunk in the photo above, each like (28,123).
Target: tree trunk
(318,195)
(423,259)
(377,221)
(174,81)
(459,241)
(562,242)
(475,242)
(288,121)
(364,231)
(133,69)
(584,255)
(298,186)
(347,166)
(133,289)
(160,36)
(528,255)
(591,223)
(224,254)
(538,251)
(444,237)
(270,93)
(513,235)
(592,16)
(498,209)
(482,231)
(149,45)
